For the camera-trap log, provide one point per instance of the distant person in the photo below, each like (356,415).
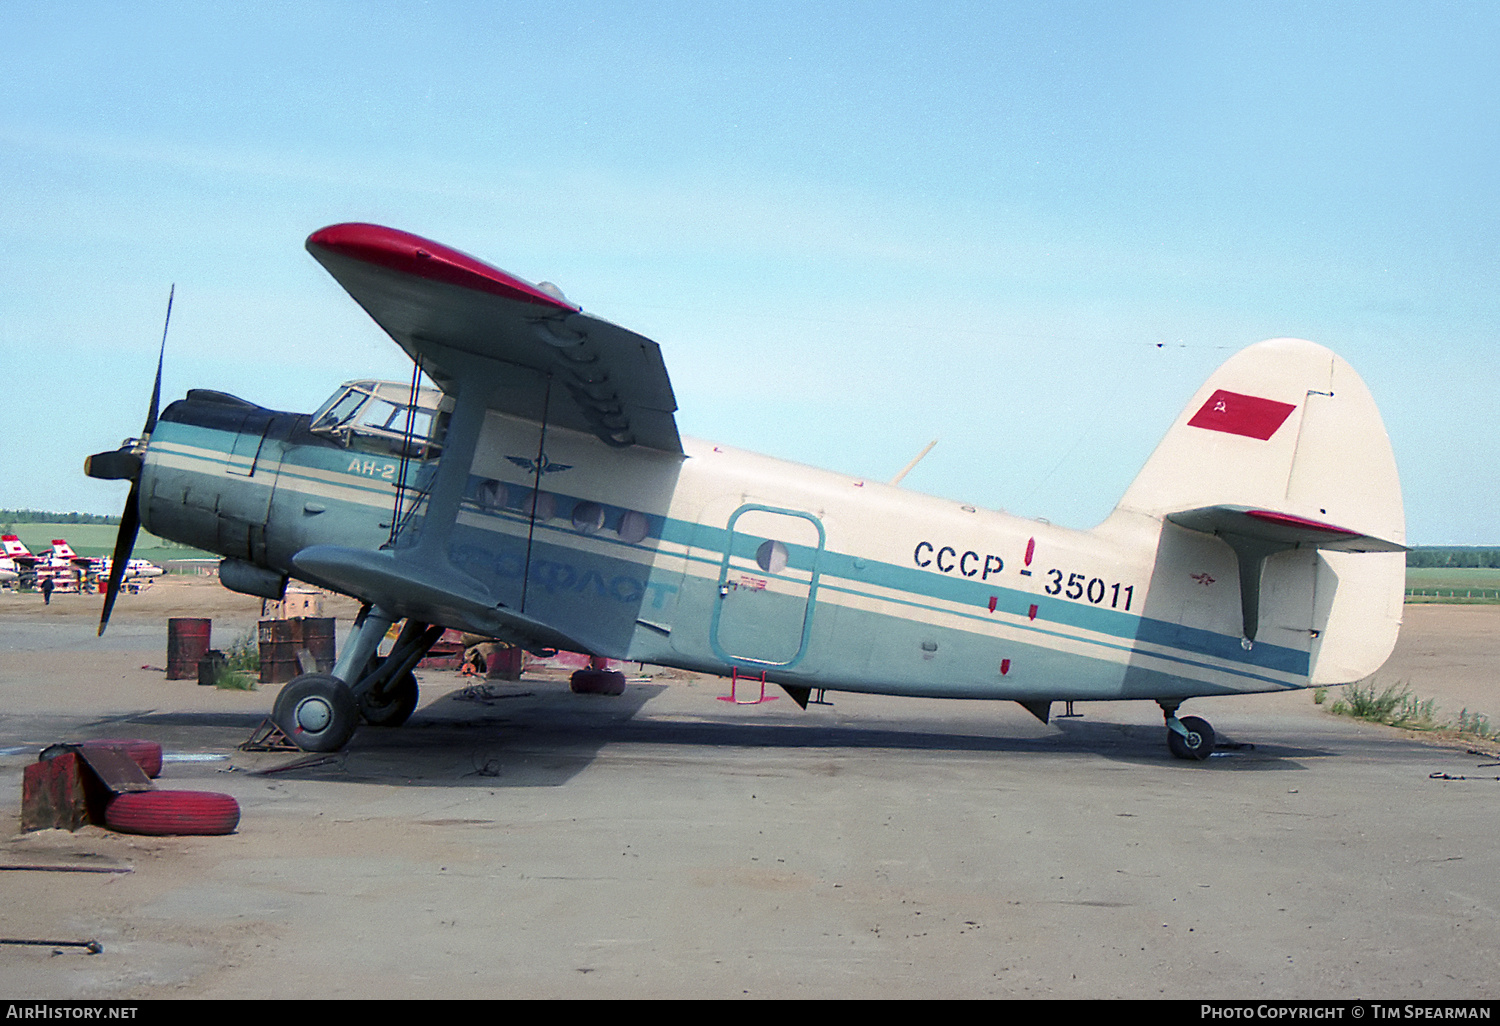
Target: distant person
(47,591)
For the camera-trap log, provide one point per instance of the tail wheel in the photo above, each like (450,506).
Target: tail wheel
(393,706)
(1199,743)
(168,813)
(145,754)
(317,711)
(597,682)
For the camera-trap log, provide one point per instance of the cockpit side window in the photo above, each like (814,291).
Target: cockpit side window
(382,416)
(337,411)
(358,417)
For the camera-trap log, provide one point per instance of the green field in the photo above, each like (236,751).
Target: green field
(99,540)
(1457,584)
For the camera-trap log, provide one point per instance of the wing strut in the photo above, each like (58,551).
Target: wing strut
(536,489)
(406,437)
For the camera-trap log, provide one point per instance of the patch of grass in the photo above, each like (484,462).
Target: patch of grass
(243,653)
(236,680)
(1474,725)
(1396,706)
(241,669)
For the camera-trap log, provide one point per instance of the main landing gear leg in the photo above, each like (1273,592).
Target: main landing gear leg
(387,693)
(1189,738)
(318,711)
(370,628)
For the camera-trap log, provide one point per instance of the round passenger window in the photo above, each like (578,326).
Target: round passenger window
(633,527)
(493,495)
(771,557)
(588,517)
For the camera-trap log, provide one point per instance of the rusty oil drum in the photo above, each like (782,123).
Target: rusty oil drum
(278,642)
(282,640)
(319,638)
(187,642)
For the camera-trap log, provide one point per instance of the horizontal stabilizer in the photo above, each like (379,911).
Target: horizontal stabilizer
(1255,534)
(1279,530)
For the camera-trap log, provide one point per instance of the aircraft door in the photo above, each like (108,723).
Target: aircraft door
(767,587)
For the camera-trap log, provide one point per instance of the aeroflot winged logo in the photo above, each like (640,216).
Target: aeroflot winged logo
(530,466)
(1237,414)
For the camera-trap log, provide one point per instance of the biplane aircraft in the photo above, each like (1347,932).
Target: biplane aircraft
(542,495)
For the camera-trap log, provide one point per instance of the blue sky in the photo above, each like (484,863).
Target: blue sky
(1027,230)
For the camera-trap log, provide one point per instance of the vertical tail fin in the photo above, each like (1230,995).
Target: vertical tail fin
(1279,474)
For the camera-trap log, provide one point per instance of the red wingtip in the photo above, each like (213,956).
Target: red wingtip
(411,254)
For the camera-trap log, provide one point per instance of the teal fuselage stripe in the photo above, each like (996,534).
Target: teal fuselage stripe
(924,584)
(703,544)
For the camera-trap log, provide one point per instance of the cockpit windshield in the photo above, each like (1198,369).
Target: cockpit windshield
(377,416)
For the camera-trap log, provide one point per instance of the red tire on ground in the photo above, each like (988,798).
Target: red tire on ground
(597,682)
(145,754)
(169,813)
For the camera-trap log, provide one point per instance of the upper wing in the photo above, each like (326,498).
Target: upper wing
(445,308)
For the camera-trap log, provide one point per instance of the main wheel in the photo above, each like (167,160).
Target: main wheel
(317,711)
(1199,743)
(393,706)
